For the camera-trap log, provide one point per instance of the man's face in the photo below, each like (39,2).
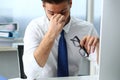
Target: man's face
(62,8)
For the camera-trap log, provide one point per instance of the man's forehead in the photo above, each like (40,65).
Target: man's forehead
(59,10)
(55,7)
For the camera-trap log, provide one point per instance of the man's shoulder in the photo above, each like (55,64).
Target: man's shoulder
(80,22)
(37,23)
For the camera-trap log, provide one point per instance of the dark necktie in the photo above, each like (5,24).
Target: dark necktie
(62,65)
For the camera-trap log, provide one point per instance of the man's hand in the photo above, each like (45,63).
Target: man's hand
(90,43)
(57,23)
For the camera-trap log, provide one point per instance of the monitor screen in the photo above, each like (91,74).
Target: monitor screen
(110,41)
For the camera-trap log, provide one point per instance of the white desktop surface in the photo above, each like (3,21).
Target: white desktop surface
(66,78)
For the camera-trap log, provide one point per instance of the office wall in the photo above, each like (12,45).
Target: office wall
(20,11)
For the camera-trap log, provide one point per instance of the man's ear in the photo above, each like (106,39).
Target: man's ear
(70,3)
(43,4)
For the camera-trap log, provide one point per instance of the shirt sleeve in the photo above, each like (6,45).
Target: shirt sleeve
(31,41)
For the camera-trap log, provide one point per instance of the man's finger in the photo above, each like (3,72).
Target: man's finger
(57,17)
(82,42)
(90,43)
(61,19)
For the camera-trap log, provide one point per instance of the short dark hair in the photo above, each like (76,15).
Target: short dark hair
(54,1)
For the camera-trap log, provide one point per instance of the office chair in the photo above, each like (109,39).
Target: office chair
(20,54)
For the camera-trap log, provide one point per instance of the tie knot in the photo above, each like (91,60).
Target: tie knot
(62,32)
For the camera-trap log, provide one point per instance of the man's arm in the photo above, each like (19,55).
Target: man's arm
(42,52)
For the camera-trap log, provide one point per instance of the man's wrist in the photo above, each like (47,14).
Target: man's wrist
(51,35)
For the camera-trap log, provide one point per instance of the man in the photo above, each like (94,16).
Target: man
(42,36)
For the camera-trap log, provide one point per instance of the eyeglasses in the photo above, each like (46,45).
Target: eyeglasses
(82,50)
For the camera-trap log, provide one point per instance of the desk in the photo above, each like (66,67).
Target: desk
(66,78)
(9,62)
(4,49)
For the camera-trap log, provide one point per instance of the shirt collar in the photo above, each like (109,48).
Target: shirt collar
(67,26)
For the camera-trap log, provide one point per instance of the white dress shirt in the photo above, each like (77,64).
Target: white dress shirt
(34,33)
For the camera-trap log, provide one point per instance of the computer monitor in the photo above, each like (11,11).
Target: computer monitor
(110,41)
